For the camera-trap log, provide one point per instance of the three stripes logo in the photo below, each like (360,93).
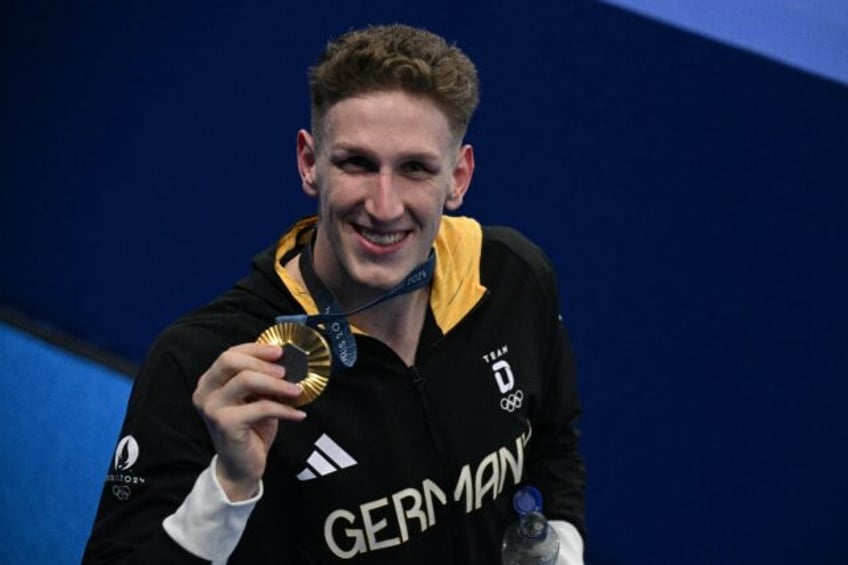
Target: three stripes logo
(327,457)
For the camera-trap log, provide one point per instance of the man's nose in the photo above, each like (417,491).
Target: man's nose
(383,200)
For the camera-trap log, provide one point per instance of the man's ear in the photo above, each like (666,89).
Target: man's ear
(306,162)
(462,173)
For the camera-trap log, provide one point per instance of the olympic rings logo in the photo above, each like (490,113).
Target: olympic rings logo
(121,492)
(512,402)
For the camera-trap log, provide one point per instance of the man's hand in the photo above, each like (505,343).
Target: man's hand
(241,398)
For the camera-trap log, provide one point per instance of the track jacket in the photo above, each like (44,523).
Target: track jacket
(393,464)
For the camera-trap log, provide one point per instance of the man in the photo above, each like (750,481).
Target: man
(454,386)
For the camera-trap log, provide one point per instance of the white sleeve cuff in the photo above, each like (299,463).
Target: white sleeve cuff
(570,543)
(207,524)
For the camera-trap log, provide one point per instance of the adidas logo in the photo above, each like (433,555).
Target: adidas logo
(327,457)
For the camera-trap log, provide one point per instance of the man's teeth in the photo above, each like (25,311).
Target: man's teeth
(382,238)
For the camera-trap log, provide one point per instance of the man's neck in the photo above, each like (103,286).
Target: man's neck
(397,322)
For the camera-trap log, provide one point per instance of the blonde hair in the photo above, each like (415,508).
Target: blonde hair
(395,57)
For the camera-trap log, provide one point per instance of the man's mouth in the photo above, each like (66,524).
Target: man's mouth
(381,238)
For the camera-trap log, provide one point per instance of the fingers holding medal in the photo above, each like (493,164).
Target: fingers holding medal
(306,357)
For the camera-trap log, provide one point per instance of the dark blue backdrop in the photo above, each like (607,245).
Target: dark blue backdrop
(691,195)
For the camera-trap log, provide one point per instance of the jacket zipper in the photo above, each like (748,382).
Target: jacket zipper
(418,382)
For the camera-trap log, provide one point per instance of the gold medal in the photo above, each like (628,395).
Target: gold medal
(306,357)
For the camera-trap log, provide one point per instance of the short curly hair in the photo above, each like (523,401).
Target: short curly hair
(395,57)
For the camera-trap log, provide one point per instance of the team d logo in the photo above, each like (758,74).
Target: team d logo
(126,454)
(503,376)
(511,398)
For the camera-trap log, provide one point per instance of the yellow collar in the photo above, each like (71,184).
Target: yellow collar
(456,286)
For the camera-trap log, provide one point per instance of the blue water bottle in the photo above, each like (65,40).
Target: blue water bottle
(530,540)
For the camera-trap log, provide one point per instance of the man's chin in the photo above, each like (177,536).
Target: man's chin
(380,281)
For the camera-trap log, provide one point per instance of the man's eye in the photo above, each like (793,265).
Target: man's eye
(417,168)
(356,165)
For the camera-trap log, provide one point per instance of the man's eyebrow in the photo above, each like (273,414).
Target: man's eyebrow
(347,148)
(421,156)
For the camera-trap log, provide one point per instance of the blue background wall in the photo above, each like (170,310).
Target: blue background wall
(692,196)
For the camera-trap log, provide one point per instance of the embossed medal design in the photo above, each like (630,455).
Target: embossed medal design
(306,357)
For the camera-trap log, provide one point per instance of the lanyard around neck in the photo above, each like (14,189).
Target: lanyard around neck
(333,318)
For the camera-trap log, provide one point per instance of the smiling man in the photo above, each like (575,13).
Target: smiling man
(386,377)
(385,167)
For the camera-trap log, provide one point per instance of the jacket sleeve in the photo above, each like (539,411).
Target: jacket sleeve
(162,449)
(555,465)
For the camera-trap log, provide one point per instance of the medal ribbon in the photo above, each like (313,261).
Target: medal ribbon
(331,316)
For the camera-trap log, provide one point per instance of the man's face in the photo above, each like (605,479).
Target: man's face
(386,169)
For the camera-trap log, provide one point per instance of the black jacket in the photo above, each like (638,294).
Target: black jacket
(437,448)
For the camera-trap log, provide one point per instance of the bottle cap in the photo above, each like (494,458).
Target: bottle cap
(527,499)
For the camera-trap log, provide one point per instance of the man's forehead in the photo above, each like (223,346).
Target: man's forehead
(410,123)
